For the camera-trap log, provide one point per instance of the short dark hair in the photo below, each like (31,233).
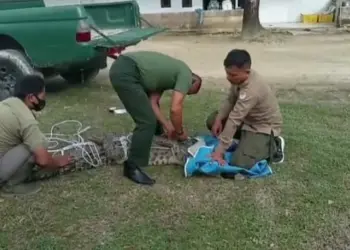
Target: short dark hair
(196,77)
(29,84)
(238,58)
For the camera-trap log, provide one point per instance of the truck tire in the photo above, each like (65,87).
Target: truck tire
(13,65)
(80,76)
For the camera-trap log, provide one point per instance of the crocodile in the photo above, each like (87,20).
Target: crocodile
(110,150)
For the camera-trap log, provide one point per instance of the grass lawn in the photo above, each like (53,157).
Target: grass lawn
(304,205)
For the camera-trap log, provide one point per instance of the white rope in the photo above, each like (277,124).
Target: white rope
(89,151)
(125,142)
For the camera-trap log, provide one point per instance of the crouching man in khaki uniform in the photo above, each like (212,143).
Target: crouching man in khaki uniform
(22,144)
(250,113)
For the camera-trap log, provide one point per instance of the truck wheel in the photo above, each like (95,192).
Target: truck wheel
(80,76)
(13,65)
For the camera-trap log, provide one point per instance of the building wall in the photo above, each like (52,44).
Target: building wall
(271,11)
(287,11)
(213,21)
(153,6)
(146,6)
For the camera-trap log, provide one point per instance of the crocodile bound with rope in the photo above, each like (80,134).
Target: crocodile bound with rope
(112,149)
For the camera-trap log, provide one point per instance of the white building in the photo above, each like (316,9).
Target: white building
(271,11)
(170,6)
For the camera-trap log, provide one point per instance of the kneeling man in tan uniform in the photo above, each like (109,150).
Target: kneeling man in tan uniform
(22,144)
(250,113)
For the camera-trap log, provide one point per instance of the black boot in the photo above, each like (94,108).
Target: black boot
(134,173)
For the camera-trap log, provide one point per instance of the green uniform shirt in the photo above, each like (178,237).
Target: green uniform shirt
(18,125)
(161,72)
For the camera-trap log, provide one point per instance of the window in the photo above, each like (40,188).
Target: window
(186,3)
(165,3)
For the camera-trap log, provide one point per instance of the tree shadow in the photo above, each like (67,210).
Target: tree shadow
(56,85)
(266,36)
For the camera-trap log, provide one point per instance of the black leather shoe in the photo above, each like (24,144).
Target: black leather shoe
(134,173)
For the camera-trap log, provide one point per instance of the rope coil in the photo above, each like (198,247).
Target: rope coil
(88,150)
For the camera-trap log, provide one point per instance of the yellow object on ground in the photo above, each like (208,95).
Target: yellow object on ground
(325,18)
(309,18)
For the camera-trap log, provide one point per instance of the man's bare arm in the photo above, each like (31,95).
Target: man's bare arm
(155,99)
(45,160)
(33,138)
(176,111)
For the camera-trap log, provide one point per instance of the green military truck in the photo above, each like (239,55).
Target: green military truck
(71,41)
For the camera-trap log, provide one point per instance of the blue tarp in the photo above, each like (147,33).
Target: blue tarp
(202,164)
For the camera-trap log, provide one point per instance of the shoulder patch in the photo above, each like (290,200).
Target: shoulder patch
(242,95)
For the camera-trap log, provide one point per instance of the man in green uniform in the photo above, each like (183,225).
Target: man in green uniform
(250,113)
(22,145)
(140,78)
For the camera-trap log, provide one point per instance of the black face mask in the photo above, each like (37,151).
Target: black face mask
(40,105)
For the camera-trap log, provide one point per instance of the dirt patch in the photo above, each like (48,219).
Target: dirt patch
(318,61)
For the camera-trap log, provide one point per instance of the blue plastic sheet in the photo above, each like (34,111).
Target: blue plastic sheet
(202,164)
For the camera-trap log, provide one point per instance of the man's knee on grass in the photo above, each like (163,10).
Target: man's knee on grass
(252,148)
(14,161)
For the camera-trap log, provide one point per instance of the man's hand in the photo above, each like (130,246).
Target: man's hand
(63,160)
(219,157)
(44,159)
(169,130)
(217,127)
(182,137)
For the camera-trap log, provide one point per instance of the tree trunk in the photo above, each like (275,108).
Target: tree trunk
(251,22)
